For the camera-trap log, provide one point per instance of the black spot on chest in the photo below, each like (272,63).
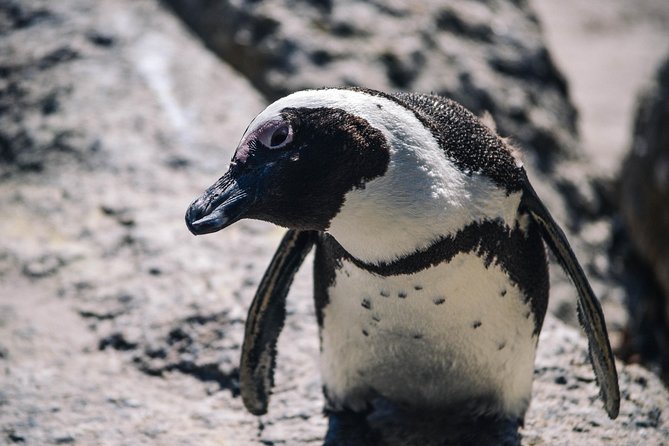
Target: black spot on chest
(521,255)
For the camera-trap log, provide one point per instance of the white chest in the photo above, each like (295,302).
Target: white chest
(452,333)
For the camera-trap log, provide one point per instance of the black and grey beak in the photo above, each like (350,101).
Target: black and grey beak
(227,201)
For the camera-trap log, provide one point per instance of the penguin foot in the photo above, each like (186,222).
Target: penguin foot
(348,428)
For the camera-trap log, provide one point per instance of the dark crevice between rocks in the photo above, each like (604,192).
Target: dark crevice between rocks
(116,341)
(183,348)
(646,337)
(539,66)
(209,372)
(402,72)
(101,39)
(28,144)
(15,15)
(243,52)
(57,56)
(14,437)
(100,315)
(106,308)
(43,266)
(449,20)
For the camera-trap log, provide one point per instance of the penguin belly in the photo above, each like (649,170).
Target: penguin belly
(453,335)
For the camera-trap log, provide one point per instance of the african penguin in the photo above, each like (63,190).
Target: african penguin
(430,271)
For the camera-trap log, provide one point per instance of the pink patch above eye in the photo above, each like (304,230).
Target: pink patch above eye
(273,134)
(242,152)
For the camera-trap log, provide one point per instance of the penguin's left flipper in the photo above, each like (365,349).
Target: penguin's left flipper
(589,311)
(266,318)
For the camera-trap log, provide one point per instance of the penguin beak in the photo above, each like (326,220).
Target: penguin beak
(224,203)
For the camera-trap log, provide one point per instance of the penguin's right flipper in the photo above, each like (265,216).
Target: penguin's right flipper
(589,311)
(266,318)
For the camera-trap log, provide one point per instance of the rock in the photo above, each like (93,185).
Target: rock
(42,266)
(141,321)
(644,194)
(62,438)
(565,395)
(487,55)
(103,229)
(645,178)
(30,136)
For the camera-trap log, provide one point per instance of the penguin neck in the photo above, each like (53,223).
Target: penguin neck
(383,228)
(373,241)
(423,197)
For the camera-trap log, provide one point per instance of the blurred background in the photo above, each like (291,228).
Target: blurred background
(118,327)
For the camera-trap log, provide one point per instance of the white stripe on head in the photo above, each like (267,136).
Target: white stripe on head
(423,195)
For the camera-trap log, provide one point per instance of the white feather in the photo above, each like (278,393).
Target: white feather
(455,360)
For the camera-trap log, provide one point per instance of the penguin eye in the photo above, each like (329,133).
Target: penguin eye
(276,134)
(279,136)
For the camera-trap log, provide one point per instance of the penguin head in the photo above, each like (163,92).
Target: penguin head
(293,167)
(355,163)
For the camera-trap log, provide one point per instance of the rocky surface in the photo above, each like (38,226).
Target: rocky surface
(116,325)
(644,194)
(486,55)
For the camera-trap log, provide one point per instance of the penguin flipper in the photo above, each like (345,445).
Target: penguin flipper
(589,310)
(266,318)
